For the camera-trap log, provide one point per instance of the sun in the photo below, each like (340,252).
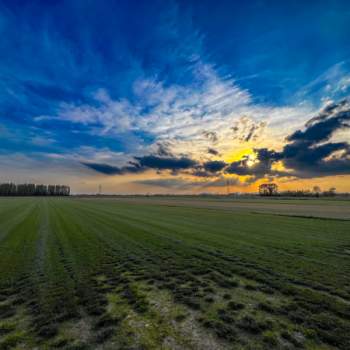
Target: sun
(251,160)
(239,155)
(246,154)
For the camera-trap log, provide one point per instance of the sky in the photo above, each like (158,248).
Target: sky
(175,96)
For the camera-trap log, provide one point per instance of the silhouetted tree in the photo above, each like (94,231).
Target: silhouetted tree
(10,189)
(316,190)
(330,193)
(270,189)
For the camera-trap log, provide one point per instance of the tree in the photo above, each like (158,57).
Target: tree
(51,190)
(270,189)
(316,190)
(330,193)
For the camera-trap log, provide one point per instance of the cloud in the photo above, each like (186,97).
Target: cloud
(107,117)
(107,169)
(213,151)
(246,129)
(162,99)
(211,136)
(104,168)
(161,163)
(175,111)
(42,141)
(163,149)
(308,152)
(260,167)
(141,164)
(168,163)
(214,166)
(333,117)
(334,83)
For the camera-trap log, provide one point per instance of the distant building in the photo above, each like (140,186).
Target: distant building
(270,189)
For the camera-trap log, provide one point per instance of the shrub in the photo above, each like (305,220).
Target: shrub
(251,325)
(232,305)
(6,311)
(250,287)
(227,296)
(267,307)
(209,299)
(60,342)
(225,331)
(47,331)
(11,340)
(105,321)
(180,317)
(104,335)
(270,339)
(7,327)
(291,338)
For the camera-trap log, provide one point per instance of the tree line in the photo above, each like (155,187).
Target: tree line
(271,189)
(11,189)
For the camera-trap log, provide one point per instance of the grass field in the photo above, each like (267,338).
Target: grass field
(139,273)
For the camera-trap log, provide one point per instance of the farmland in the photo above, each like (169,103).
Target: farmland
(174,273)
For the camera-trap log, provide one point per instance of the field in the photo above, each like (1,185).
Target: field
(174,273)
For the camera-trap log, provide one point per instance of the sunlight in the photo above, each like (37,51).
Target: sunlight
(252,159)
(239,155)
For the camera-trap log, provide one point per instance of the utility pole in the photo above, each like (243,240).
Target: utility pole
(99,189)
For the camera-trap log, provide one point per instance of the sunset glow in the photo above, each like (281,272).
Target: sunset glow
(163,97)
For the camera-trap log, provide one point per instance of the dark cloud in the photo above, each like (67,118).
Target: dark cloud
(264,160)
(113,170)
(166,163)
(214,166)
(307,153)
(260,168)
(143,163)
(318,161)
(322,127)
(213,151)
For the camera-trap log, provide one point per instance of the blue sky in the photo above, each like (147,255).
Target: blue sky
(105,82)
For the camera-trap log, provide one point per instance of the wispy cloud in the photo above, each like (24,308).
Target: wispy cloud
(211,109)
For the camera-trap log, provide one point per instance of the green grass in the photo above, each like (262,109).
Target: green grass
(110,274)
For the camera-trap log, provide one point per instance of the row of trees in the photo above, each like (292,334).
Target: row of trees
(11,189)
(271,189)
(307,193)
